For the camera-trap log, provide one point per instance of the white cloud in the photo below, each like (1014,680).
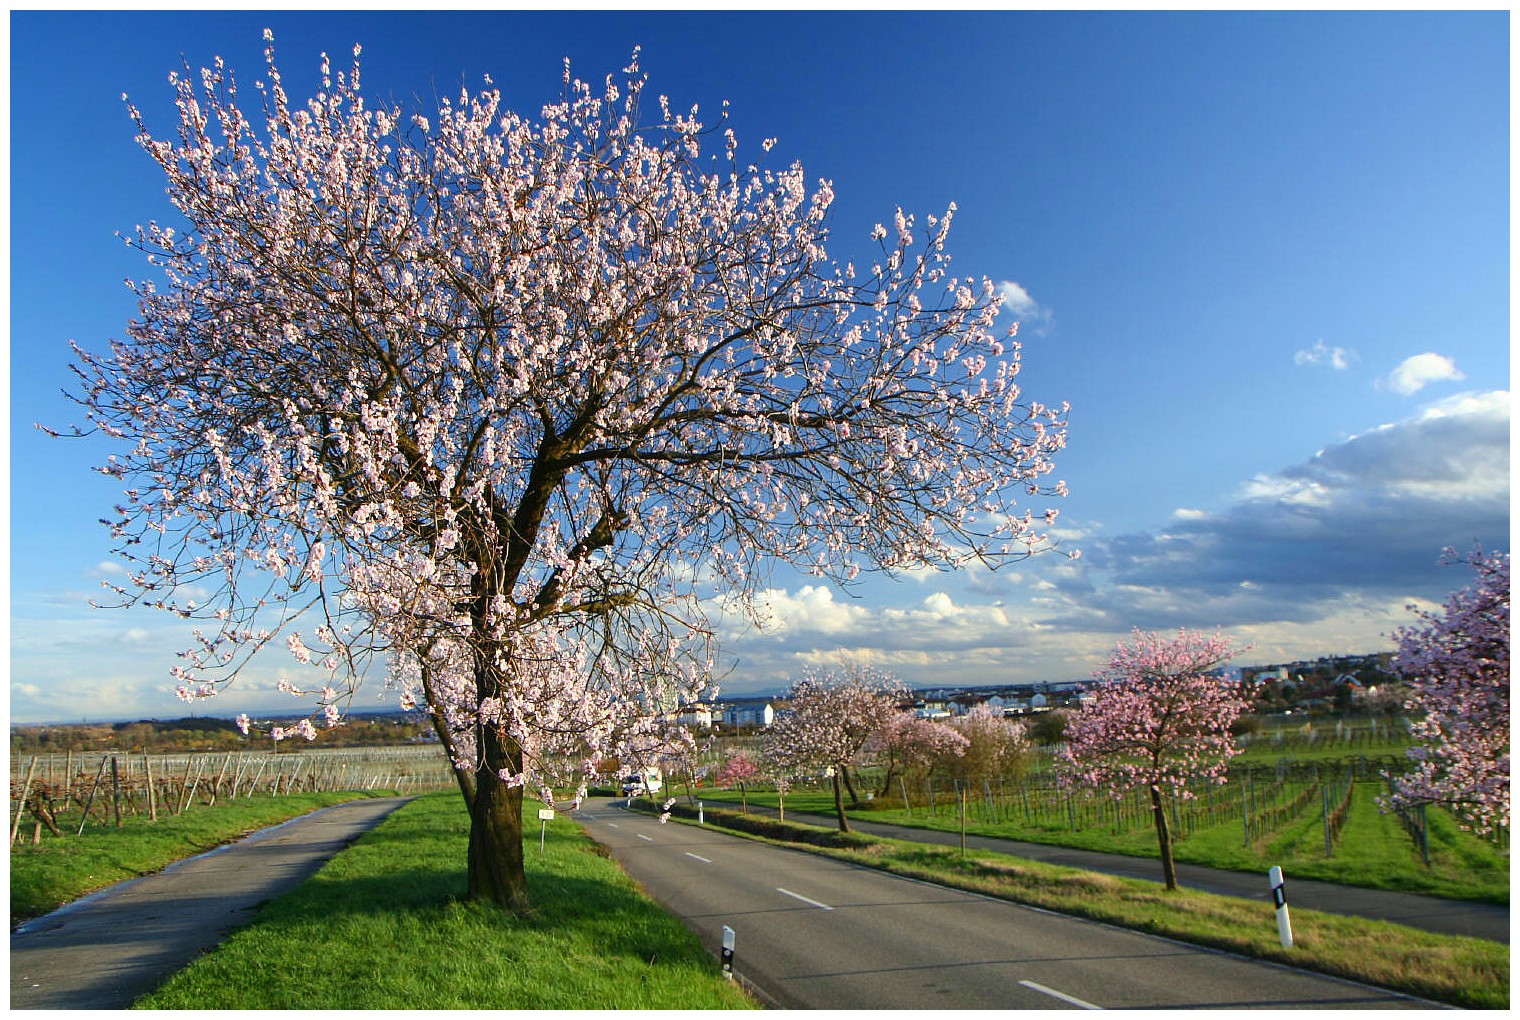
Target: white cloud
(1338,358)
(1016,299)
(1023,307)
(1414,374)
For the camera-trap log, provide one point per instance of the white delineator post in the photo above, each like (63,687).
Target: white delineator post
(1280,898)
(728,952)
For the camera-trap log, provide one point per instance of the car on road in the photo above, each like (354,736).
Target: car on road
(648,782)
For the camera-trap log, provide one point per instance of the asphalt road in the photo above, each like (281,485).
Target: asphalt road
(814,933)
(105,950)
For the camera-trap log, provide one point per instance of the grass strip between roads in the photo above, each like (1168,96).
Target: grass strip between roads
(383,926)
(61,869)
(1461,971)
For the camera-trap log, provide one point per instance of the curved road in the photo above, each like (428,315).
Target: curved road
(815,933)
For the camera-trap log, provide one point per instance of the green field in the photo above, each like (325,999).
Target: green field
(1271,812)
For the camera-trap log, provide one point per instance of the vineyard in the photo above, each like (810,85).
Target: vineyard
(1302,798)
(60,794)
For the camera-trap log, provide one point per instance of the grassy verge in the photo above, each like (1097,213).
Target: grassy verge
(1468,972)
(1372,851)
(49,874)
(382,926)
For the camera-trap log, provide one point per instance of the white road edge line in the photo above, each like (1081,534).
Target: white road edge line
(642,836)
(1059,995)
(804,899)
(699,857)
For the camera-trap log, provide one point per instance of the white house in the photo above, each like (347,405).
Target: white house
(699,716)
(749,715)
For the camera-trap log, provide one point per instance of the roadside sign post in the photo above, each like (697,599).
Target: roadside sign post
(1280,898)
(545,816)
(728,952)
(699,814)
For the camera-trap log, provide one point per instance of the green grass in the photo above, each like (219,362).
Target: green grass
(383,926)
(1468,972)
(49,874)
(1373,851)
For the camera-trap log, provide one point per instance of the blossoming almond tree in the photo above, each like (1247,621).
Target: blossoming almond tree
(1457,666)
(1156,721)
(996,747)
(738,769)
(518,385)
(831,718)
(911,744)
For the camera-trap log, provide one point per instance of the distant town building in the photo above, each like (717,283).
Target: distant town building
(749,714)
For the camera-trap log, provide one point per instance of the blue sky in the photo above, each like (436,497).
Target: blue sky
(1264,256)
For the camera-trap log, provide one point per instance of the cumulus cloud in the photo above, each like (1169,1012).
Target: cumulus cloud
(1338,358)
(1414,374)
(1355,528)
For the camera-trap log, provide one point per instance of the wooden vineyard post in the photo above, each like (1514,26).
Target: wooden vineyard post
(115,792)
(254,782)
(89,802)
(26,788)
(152,800)
(216,787)
(190,785)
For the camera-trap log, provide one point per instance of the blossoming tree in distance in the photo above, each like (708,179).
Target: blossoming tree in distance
(830,719)
(504,395)
(1156,721)
(1457,666)
(738,769)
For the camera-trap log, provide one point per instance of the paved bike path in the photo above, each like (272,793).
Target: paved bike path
(105,950)
(1429,913)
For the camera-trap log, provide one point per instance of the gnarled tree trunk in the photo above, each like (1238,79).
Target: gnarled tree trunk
(496,872)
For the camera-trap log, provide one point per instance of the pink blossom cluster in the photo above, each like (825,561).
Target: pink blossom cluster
(1156,718)
(1456,663)
(830,719)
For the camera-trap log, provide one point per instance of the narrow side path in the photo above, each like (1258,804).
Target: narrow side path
(103,951)
(1428,913)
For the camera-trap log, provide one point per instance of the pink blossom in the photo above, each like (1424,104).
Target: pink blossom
(1457,666)
(1156,720)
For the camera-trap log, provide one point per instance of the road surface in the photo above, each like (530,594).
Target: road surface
(815,933)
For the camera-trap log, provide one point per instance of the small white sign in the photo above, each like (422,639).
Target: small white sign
(546,814)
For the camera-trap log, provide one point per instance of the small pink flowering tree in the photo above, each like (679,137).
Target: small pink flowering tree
(739,769)
(1156,721)
(516,388)
(1456,663)
(911,745)
(832,717)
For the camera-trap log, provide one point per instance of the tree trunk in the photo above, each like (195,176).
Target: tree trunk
(1164,839)
(844,823)
(495,865)
(849,786)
